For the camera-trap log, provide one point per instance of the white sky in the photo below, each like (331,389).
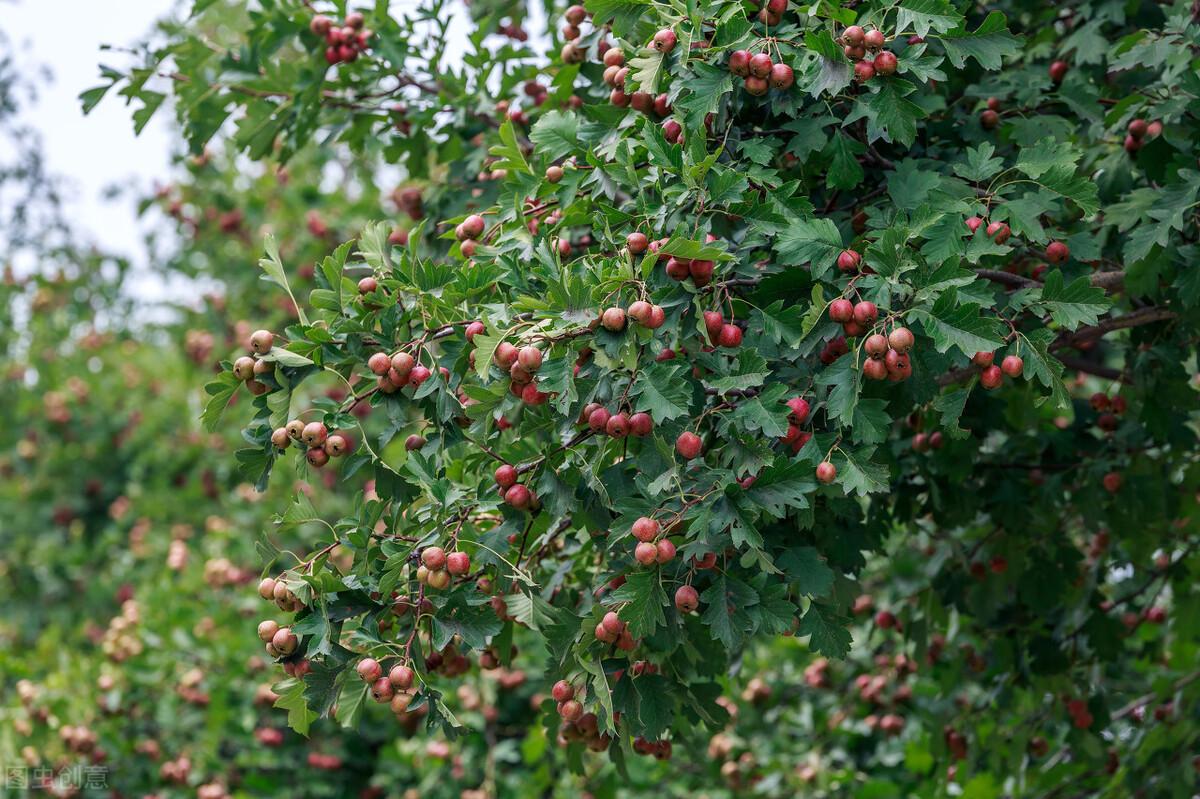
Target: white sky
(100,150)
(95,153)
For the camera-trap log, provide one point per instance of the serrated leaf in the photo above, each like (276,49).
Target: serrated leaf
(1071,306)
(643,598)
(826,630)
(810,241)
(750,415)
(555,134)
(842,377)
(925,15)
(952,325)
(858,474)
(871,423)
(786,324)
(1046,154)
(805,567)
(980,163)
(950,406)
(474,624)
(1046,368)
(845,172)
(726,602)
(220,391)
(784,486)
(988,44)
(285,357)
(645,69)
(891,115)
(661,392)
(291,698)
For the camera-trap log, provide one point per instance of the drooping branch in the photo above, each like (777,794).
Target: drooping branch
(1142,316)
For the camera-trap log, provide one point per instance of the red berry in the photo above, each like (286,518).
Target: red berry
(739,63)
(518,496)
(645,553)
(458,563)
(781,76)
(799,409)
(991,377)
(641,424)
(562,691)
(686,599)
(1057,252)
(848,261)
(506,476)
(1012,366)
(760,65)
(826,472)
(865,313)
(730,336)
(886,62)
(841,310)
(688,445)
(645,529)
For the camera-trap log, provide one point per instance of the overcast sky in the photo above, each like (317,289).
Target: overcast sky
(97,151)
(100,151)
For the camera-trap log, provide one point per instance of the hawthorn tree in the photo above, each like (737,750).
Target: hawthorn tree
(865,327)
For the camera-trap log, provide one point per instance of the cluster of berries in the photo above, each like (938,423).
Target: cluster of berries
(343,43)
(760,73)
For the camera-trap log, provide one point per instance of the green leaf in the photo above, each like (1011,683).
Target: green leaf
(1079,303)
(783,486)
(1046,368)
(1046,154)
(285,357)
(508,153)
(845,172)
(220,391)
(805,567)
(726,602)
(291,698)
(829,72)
(473,623)
(842,377)
(751,415)
(623,14)
(952,325)
(891,116)
(272,266)
(871,423)
(555,134)
(655,705)
(925,15)
(980,164)
(646,69)
(858,474)
(810,241)
(644,599)
(827,631)
(787,324)
(950,406)
(661,392)
(705,91)
(988,44)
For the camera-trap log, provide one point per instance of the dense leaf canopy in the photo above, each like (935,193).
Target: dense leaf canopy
(782,401)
